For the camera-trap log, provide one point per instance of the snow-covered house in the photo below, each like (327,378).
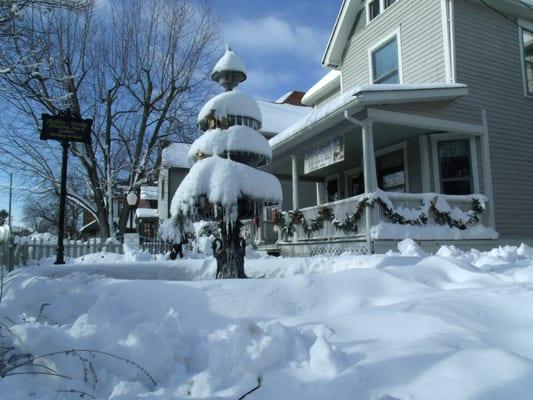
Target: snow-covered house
(423,128)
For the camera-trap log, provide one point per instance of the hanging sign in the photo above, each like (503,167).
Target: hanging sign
(66,128)
(324,155)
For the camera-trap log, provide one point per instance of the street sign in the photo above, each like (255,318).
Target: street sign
(66,128)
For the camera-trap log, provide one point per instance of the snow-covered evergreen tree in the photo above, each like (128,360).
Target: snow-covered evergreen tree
(224,184)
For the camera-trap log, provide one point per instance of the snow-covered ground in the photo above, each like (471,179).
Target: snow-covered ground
(405,325)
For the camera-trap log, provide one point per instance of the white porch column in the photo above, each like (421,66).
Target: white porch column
(320,191)
(487,171)
(369,158)
(295,183)
(370,178)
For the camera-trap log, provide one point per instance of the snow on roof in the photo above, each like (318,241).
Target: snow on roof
(231,103)
(230,61)
(224,181)
(277,117)
(149,192)
(329,82)
(348,97)
(146,213)
(235,138)
(175,156)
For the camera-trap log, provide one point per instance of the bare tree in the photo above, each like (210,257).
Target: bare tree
(41,212)
(137,68)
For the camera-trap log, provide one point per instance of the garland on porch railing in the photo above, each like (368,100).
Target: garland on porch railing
(351,221)
(445,218)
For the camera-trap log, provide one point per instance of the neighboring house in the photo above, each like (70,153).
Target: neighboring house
(146,214)
(423,129)
(173,168)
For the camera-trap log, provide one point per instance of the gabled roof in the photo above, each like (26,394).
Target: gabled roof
(350,8)
(341,31)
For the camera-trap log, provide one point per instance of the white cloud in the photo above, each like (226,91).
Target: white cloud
(274,35)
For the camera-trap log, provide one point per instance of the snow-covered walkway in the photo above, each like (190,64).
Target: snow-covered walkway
(404,326)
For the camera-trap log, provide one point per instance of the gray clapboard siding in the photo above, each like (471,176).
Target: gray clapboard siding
(488,61)
(422,43)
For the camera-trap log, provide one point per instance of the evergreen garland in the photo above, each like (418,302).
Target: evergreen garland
(350,223)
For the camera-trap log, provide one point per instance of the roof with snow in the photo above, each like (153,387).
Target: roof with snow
(230,61)
(328,83)
(278,117)
(149,192)
(368,95)
(175,156)
(231,103)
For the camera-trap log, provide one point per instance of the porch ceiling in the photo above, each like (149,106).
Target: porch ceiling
(384,135)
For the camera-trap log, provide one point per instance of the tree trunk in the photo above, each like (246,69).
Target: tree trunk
(229,251)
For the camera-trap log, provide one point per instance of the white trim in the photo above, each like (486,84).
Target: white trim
(487,170)
(424,163)
(417,121)
(474,167)
(349,173)
(329,178)
(391,149)
(523,56)
(449,40)
(379,43)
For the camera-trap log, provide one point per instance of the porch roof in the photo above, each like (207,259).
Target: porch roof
(366,95)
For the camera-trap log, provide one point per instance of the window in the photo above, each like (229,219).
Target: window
(376,7)
(355,182)
(332,188)
(373,9)
(385,64)
(390,169)
(455,168)
(527,43)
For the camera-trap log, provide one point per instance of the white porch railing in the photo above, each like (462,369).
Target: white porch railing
(422,211)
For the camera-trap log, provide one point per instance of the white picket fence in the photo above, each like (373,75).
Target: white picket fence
(15,253)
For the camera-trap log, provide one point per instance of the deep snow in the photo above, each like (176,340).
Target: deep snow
(454,325)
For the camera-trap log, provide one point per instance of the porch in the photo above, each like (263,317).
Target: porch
(378,167)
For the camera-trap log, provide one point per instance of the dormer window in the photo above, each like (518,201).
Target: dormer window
(376,7)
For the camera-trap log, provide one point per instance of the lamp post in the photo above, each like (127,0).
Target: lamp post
(131,199)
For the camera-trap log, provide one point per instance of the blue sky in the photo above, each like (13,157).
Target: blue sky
(281,42)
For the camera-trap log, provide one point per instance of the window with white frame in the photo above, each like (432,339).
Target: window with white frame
(391,168)
(376,7)
(385,62)
(455,166)
(527,48)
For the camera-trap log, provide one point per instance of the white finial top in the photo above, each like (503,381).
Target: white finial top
(229,62)
(229,69)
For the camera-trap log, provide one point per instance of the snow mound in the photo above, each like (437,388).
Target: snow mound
(224,181)
(385,327)
(231,103)
(237,138)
